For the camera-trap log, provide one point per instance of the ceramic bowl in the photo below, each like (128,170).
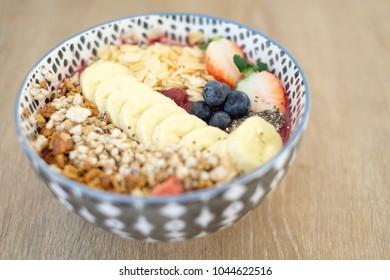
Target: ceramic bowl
(170,218)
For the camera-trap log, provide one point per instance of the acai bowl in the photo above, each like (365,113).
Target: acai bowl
(163,162)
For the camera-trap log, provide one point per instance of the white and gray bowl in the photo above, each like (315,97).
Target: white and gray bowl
(170,218)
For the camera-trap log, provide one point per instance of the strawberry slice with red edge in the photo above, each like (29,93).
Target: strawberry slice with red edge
(179,96)
(262,87)
(218,59)
(171,186)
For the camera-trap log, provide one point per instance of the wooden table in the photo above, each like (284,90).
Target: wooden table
(334,202)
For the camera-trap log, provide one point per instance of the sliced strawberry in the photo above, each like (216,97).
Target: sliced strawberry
(171,186)
(264,90)
(219,60)
(180,97)
(176,94)
(187,106)
(262,87)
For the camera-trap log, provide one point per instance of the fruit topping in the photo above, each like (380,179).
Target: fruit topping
(219,98)
(118,98)
(171,186)
(215,93)
(179,96)
(119,82)
(237,104)
(219,60)
(134,106)
(253,143)
(201,110)
(172,129)
(262,87)
(93,75)
(151,117)
(203,138)
(220,119)
(176,94)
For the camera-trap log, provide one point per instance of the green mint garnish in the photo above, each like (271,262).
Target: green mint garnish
(261,66)
(247,68)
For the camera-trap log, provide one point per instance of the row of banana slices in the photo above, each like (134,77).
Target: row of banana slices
(152,118)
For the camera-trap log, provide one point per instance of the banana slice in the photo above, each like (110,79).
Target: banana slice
(93,75)
(109,85)
(254,142)
(174,128)
(220,149)
(203,137)
(133,108)
(116,99)
(152,117)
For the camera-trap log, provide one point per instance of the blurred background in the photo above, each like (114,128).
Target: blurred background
(333,203)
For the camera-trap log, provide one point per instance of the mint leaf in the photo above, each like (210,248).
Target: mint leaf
(247,68)
(261,66)
(241,63)
(204,46)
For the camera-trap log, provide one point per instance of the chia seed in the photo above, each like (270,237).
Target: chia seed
(275,117)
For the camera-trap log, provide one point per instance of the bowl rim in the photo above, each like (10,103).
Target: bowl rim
(185,197)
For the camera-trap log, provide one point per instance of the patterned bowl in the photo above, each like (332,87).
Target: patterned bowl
(170,218)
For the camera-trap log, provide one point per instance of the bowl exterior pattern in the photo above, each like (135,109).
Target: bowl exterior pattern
(171,218)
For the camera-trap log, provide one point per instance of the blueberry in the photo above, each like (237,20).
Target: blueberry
(237,104)
(201,110)
(220,119)
(214,93)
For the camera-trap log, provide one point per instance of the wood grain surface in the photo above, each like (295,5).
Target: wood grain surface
(334,202)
